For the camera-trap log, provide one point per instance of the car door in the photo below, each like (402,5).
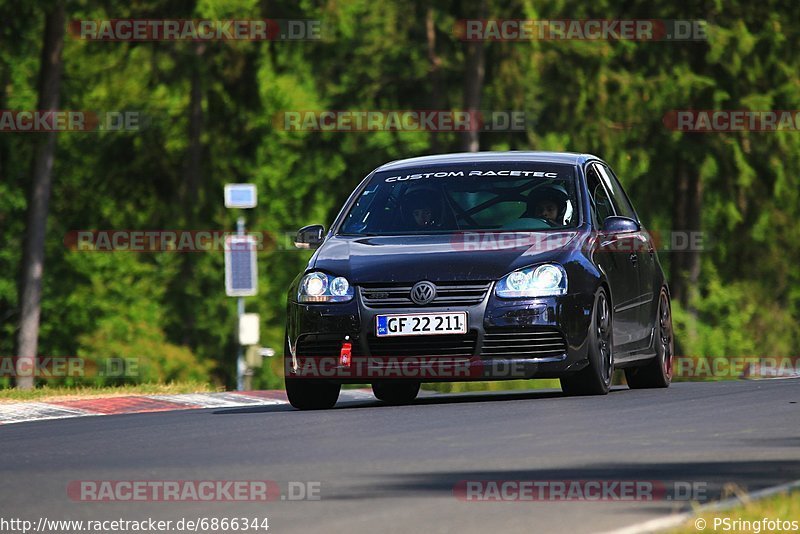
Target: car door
(643,251)
(613,254)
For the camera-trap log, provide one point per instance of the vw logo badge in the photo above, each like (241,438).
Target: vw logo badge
(423,293)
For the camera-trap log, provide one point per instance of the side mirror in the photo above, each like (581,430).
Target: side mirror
(620,225)
(310,236)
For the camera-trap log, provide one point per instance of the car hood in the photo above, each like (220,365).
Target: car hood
(476,256)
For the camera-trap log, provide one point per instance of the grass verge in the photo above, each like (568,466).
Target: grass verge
(784,507)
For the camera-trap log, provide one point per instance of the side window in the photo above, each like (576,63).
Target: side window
(618,197)
(598,197)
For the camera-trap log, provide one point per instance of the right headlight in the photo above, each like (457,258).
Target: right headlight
(321,287)
(545,280)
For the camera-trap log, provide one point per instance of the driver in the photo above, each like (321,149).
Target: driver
(548,202)
(422,208)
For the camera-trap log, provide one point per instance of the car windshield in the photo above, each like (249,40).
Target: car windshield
(522,197)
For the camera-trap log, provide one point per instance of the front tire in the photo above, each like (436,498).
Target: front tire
(310,394)
(595,378)
(657,373)
(396,392)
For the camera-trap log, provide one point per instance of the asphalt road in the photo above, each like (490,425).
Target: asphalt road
(393,469)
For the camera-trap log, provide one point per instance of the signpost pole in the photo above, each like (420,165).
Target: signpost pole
(241,272)
(241,365)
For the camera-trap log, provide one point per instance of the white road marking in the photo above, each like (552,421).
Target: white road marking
(21,412)
(37,411)
(216,400)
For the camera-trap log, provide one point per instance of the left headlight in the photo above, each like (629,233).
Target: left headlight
(322,287)
(543,281)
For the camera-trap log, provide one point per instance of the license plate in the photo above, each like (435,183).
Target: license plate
(422,324)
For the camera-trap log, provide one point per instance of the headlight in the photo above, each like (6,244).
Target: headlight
(321,287)
(543,281)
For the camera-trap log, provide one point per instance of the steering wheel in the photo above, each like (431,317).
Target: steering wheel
(548,222)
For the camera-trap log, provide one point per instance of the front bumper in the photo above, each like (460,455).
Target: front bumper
(506,339)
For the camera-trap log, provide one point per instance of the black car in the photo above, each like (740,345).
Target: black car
(479,266)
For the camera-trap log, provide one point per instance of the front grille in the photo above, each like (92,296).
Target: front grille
(444,345)
(538,342)
(447,294)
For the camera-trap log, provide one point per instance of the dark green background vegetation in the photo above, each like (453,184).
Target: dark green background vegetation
(211,109)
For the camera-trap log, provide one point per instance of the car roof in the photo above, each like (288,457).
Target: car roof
(569,158)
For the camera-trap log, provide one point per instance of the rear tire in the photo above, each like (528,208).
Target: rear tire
(396,392)
(310,394)
(595,378)
(656,373)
